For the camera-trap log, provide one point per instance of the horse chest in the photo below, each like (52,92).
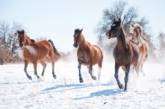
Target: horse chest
(83,56)
(122,57)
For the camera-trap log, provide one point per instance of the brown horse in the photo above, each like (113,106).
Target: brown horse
(125,52)
(138,37)
(87,54)
(37,52)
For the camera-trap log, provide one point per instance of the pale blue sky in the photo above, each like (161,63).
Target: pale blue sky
(57,19)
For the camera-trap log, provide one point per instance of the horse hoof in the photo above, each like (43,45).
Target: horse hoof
(121,86)
(29,77)
(81,81)
(125,89)
(93,77)
(54,76)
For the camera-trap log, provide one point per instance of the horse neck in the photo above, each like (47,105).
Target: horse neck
(121,39)
(82,42)
(28,40)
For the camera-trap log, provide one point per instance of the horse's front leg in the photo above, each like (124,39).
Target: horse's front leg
(35,69)
(25,70)
(126,76)
(80,76)
(90,72)
(53,72)
(116,76)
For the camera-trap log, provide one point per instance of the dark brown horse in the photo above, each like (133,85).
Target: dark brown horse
(87,54)
(125,52)
(138,37)
(37,52)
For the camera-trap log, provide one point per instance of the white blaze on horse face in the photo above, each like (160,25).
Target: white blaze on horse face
(31,49)
(131,29)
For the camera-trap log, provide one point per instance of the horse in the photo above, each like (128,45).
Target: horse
(125,52)
(37,52)
(138,37)
(87,54)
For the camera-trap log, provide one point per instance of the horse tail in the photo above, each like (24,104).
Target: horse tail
(54,48)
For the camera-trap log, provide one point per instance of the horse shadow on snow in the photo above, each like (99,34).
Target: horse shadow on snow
(106,92)
(61,88)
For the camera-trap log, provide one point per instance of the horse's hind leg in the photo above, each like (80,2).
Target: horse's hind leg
(35,69)
(53,73)
(44,66)
(90,72)
(116,76)
(80,76)
(25,70)
(99,72)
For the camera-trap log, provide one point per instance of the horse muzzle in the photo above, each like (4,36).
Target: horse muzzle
(21,45)
(75,45)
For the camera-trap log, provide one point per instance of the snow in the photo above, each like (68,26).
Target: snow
(146,91)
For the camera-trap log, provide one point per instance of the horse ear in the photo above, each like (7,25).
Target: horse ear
(81,30)
(119,20)
(18,31)
(23,31)
(32,40)
(114,20)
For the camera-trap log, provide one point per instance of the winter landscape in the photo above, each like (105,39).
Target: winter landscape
(146,91)
(125,32)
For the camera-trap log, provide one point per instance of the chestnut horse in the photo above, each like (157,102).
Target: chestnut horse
(125,52)
(87,54)
(37,52)
(138,37)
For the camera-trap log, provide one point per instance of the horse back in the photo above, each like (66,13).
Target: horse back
(40,50)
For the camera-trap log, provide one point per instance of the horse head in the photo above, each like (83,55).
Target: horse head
(24,39)
(136,30)
(116,24)
(77,37)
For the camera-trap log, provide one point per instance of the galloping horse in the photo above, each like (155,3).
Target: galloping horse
(37,52)
(87,54)
(125,52)
(137,34)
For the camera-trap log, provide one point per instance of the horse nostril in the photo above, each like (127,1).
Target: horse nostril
(20,45)
(75,45)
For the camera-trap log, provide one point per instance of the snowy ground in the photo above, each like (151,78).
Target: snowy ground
(17,92)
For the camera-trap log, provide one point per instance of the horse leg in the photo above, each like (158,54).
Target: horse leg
(35,69)
(126,76)
(44,66)
(80,76)
(25,70)
(116,76)
(90,72)
(100,67)
(53,73)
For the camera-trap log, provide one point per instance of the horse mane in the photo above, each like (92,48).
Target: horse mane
(124,36)
(139,27)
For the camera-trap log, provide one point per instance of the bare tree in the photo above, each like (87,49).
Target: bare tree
(119,9)
(4,30)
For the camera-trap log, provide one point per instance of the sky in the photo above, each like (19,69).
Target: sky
(57,19)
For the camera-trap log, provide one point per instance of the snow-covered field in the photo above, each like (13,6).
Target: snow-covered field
(144,92)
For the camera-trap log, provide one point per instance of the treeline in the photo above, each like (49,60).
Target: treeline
(129,15)
(120,9)
(8,42)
